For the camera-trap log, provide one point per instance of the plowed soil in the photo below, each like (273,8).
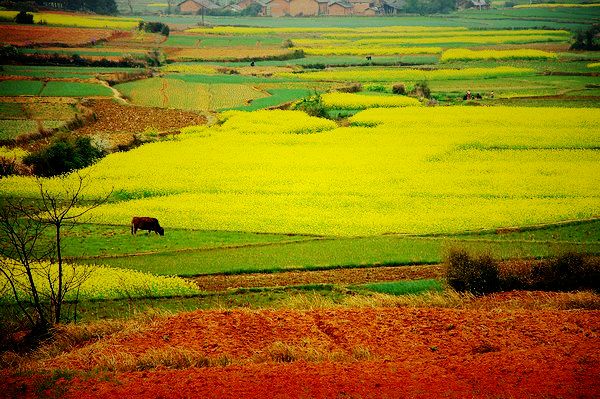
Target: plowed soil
(336,276)
(26,35)
(343,353)
(112,117)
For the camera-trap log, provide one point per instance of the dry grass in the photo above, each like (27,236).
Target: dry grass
(309,350)
(85,339)
(446,299)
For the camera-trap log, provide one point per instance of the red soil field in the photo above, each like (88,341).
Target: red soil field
(335,276)
(362,353)
(25,35)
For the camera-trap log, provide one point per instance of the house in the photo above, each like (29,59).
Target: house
(393,6)
(481,4)
(196,6)
(299,8)
(277,8)
(232,7)
(323,6)
(339,7)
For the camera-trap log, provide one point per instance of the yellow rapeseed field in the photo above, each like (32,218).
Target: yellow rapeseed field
(466,54)
(64,19)
(359,101)
(397,74)
(12,153)
(103,283)
(370,50)
(445,33)
(403,170)
(243,30)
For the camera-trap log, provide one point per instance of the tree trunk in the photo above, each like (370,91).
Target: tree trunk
(59,291)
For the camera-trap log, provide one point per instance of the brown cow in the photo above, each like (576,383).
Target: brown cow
(146,223)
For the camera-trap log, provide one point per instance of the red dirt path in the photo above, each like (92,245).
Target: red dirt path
(412,352)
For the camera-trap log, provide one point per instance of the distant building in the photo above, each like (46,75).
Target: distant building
(393,6)
(339,7)
(196,6)
(300,8)
(306,8)
(481,4)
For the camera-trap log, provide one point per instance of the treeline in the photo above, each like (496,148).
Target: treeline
(13,55)
(95,6)
(430,6)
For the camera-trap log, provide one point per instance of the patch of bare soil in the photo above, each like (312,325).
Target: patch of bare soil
(335,276)
(112,117)
(338,353)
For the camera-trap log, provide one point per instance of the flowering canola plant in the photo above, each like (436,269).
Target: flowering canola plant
(466,54)
(395,74)
(358,101)
(405,170)
(369,50)
(84,21)
(102,282)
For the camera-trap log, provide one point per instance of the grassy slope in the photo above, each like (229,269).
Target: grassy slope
(340,252)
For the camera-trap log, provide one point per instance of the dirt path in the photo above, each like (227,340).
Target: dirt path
(340,353)
(335,276)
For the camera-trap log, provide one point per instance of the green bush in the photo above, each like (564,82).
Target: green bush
(313,106)
(478,275)
(570,271)
(62,156)
(421,90)
(399,88)
(587,40)
(24,18)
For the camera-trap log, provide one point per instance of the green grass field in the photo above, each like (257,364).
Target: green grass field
(404,287)
(74,89)
(245,253)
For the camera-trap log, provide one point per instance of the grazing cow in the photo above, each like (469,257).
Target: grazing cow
(146,223)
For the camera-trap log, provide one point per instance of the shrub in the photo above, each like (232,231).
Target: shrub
(376,88)
(313,106)
(24,18)
(509,4)
(569,271)
(12,166)
(421,89)
(62,156)
(399,88)
(154,27)
(351,88)
(587,40)
(478,275)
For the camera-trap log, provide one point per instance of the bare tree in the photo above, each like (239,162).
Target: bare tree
(31,249)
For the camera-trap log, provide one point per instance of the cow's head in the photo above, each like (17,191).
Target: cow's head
(161,231)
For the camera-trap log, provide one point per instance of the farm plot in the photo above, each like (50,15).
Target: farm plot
(172,92)
(20,35)
(102,283)
(92,53)
(366,100)
(75,89)
(78,20)
(227,53)
(31,115)
(396,74)
(465,54)
(58,72)
(254,172)
(201,41)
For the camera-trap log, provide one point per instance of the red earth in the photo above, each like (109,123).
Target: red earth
(341,353)
(24,35)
